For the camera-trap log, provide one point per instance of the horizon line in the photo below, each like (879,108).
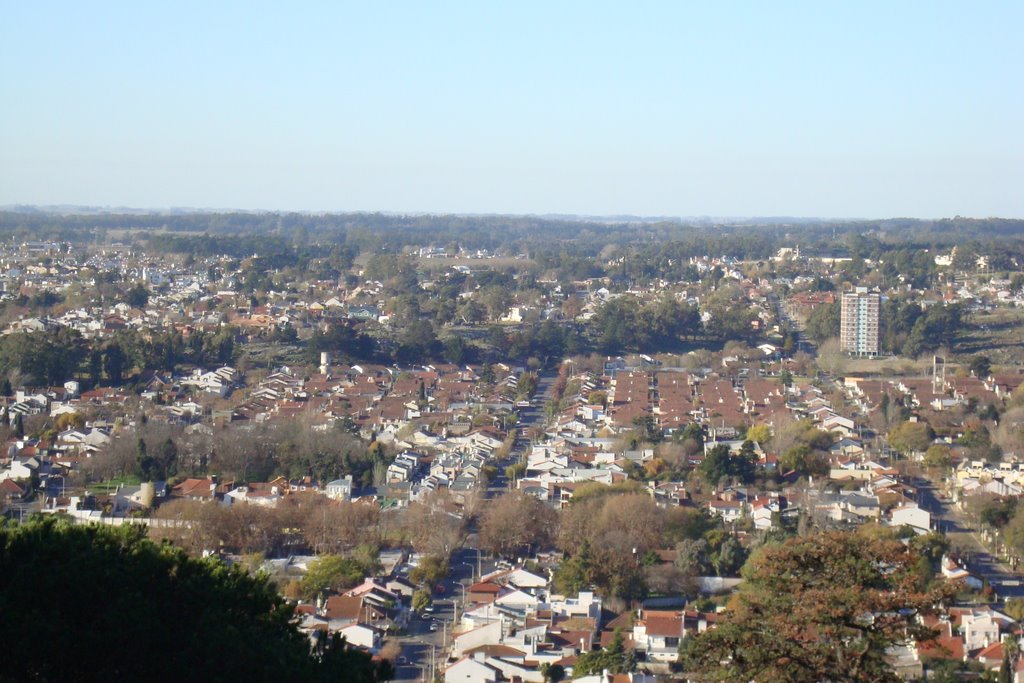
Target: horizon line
(70,209)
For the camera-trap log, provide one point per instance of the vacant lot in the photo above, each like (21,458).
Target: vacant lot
(889,367)
(997,334)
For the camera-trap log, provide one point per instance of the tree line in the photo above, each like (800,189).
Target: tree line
(905,327)
(56,355)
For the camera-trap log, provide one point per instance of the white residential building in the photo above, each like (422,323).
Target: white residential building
(858,331)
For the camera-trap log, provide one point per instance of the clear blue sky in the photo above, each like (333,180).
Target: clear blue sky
(846,109)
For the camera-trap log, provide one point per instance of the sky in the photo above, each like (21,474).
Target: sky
(718,108)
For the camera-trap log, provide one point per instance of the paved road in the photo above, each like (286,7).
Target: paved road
(529,418)
(980,561)
(422,646)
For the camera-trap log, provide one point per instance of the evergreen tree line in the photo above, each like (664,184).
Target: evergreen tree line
(905,327)
(54,356)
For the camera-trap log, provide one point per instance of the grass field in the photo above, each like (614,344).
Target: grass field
(434,264)
(105,488)
(898,366)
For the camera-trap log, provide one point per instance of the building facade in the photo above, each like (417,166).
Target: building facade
(858,331)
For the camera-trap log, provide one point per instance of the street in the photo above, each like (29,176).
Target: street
(529,418)
(980,561)
(422,649)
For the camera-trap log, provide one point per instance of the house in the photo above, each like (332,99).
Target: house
(605,677)
(11,492)
(861,504)
(952,571)
(516,599)
(345,610)
(363,312)
(217,381)
(980,629)
(585,605)
(401,586)
(728,510)
(520,578)
(340,489)
(837,423)
(403,467)
(515,314)
(762,516)
(488,634)
(847,447)
(362,635)
(261,493)
(484,592)
(509,663)
(83,440)
(20,469)
(376,596)
(195,489)
(471,670)
(946,646)
(657,633)
(909,514)
(342,610)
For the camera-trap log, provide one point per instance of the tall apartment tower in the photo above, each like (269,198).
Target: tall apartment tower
(858,331)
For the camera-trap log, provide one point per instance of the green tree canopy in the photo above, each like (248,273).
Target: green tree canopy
(429,571)
(331,573)
(911,436)
(137,296)
(91,603)
(823,322)
(421,600)
(47,357)
(720,463)
(980,366)
(937,456)
(614,659)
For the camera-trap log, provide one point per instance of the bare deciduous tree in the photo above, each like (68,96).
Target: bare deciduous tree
(433,526)
(516,522)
